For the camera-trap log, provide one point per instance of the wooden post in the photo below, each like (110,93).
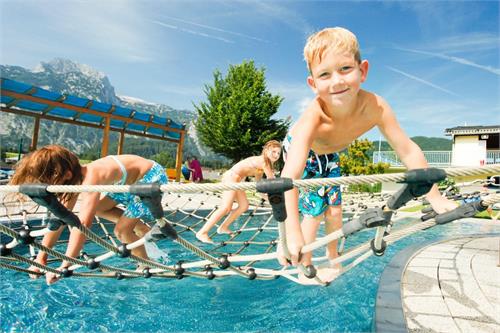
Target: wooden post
(34,138)
(105,139)
(178,158)
(120,142)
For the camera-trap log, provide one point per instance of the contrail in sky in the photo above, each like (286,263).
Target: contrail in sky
(421,81)
(202,34)
(218,29)
(455,59)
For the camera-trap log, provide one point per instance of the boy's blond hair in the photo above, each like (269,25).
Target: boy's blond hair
(330,38)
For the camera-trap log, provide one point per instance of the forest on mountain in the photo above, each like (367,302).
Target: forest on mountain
(425,143)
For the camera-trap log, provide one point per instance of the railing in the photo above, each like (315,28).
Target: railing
(492,156)
(434,158)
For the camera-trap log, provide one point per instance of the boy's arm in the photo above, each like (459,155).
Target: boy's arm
(294,166)
(410,154)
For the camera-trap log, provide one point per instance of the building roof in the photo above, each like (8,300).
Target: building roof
(461,130)
(21,98)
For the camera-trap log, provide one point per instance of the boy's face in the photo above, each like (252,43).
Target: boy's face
(337,78)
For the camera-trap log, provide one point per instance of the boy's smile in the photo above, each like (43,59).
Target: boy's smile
(337,78)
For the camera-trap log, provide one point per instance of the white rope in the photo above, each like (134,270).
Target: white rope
(299,183)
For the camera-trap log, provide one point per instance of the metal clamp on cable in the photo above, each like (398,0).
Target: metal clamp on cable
(275,189)
(418,182)
(466,210)
(151,195)
(161,230)
(370,218)
(39,194)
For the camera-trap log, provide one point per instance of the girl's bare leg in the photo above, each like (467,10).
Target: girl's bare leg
(227,203)
(124,230)
(242,201)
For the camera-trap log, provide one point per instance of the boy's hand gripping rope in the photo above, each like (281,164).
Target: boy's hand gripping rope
(275,189)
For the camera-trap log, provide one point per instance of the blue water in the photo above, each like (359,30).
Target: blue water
(199,305)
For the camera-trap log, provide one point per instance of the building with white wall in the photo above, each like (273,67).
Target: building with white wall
(475,145)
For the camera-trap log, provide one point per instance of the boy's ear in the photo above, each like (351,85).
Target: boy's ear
(311,84)
(364,66)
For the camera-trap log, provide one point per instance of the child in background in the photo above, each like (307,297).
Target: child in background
(186,170)
(55,165)
(340,113)
(197,173)
(254,166)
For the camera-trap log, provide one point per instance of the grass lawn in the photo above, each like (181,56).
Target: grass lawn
(482,215)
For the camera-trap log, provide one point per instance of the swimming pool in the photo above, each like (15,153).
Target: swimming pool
(199,305)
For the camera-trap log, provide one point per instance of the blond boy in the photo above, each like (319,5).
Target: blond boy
(340,113)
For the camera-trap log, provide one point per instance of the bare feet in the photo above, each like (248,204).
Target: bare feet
(140,268)
(223,230)
(307,281)
(203,237)
(328,274)
(324,274)
(35,269)
(51,278)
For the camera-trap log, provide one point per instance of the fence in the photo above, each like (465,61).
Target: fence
(434,158)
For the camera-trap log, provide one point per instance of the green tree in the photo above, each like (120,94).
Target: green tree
(235,121)
(357,161)
(165,159)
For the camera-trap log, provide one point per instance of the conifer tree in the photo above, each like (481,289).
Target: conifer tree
(235,121)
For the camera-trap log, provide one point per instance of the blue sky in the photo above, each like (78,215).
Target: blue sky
(437,63)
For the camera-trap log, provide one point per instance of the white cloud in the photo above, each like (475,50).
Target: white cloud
(284,15)
(296,96)
(103,28)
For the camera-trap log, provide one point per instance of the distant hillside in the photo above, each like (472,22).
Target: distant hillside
(66,76)
(425,143)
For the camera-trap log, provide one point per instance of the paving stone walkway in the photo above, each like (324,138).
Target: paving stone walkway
(453,286)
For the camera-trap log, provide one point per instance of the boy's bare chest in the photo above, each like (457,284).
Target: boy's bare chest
(336,137)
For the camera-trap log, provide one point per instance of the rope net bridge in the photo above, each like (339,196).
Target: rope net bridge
(249,251)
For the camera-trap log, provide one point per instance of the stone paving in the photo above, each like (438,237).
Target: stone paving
(454,286)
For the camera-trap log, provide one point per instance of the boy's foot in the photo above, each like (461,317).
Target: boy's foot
(140,268)
(221,230)
(203,237)
(328,274)
(35,269)
(307,281)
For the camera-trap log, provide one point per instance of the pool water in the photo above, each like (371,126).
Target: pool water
(199,305)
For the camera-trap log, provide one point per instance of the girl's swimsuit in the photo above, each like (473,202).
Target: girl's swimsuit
(134,207)
(314,201)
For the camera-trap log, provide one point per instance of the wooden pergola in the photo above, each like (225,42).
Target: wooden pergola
(23,99)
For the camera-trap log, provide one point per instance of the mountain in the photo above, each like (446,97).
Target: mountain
(425,143)
(69,77)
